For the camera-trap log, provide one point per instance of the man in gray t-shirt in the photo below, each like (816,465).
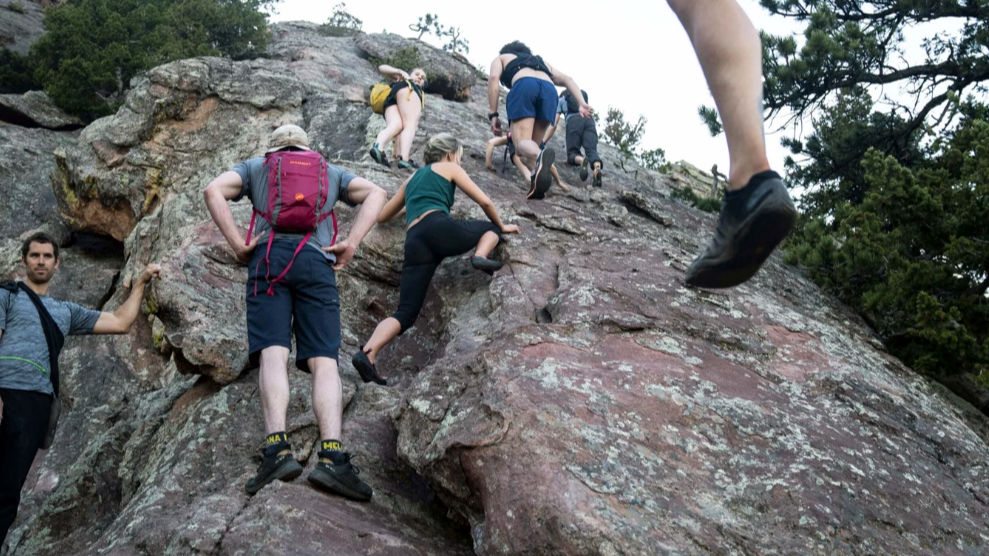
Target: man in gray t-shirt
(25,366)
(292,288)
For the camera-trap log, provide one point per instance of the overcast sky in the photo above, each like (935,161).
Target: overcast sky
(630,54)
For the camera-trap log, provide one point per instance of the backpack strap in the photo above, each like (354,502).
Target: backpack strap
(271,284)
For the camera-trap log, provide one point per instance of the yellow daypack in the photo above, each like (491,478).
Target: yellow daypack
(380,92)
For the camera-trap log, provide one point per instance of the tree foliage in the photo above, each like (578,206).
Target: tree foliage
(92,48)
(895,186)
(430,24)
(342,23)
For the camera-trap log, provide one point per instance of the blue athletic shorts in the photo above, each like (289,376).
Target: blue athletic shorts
(305,300)
(532,97)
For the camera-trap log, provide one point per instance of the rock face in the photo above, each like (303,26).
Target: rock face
(21,23)
(581,401)
(35,109)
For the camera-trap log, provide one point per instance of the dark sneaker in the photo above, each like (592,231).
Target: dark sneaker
(487,265)
(583,170)
(542,178)
(753,221)
(278,465)
(379,156)
(598,174)
(365,368)
(407,164)
(339,477)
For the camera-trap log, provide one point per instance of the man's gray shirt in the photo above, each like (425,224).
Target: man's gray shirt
(254,175)
(24,361)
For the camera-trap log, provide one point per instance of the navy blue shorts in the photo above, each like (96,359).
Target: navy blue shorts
(532,97)
(305,300)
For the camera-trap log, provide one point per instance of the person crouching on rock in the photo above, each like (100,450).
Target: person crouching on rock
(291,284)
(506,141)
(431,236)
(402,111)
(532,104)
(33,327)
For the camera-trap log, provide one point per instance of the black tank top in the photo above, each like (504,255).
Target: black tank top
(522,61)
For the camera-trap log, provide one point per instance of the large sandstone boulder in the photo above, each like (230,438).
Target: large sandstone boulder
(449,76)
(581,401)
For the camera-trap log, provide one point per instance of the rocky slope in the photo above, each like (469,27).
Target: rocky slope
(581,401)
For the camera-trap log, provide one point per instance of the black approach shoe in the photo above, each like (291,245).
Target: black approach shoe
(596,181)
(753,221)
(487,265)
(275,466)
(583,170)
(379,157)
(542,178)
(339,476)
(366,369)
(407,164)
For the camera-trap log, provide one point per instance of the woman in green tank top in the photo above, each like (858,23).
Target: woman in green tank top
(431,236)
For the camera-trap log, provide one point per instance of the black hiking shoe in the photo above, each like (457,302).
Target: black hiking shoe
(379,156)
(485,264)
(753,221)
(275,466)
(596,181)
(407,164)
(542,178)
(339,476)
(366,369)
(583,170)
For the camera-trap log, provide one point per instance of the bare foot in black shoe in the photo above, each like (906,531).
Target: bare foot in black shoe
(753,221)
(365,368)
(485,264)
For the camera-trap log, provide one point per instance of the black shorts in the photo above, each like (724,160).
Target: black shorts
(305,300)
(392,100)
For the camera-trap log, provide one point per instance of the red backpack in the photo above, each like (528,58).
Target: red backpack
(298,188)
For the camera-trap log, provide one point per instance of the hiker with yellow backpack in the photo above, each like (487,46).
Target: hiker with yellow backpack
(401,102)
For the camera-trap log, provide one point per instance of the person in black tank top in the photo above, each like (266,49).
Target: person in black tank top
(431,237)
(403,107)
(531,106)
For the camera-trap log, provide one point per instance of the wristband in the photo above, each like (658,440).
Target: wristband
(493,115)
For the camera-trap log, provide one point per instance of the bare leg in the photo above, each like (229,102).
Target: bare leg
(487,242)
(393,126)
(327,397)
(526,173)
(556,177)
(525,147)
(273,382)
(386,331)
(410,109)
(730,53)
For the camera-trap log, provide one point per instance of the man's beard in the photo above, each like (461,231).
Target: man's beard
(44,278)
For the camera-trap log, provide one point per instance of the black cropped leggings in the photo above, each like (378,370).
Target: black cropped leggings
(432,239)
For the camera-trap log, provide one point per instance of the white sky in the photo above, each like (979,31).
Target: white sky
(630,54)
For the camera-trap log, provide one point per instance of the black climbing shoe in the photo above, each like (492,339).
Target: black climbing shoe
(487,265)
(542,178)
(278,465)
(583,170)
(365,368)
(407,164)
(379,156)
(753,221)
(596,181)
(336,474)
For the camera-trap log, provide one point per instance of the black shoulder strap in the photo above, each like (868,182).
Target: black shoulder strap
(53,336)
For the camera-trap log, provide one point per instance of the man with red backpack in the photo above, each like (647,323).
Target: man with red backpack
(291,285)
